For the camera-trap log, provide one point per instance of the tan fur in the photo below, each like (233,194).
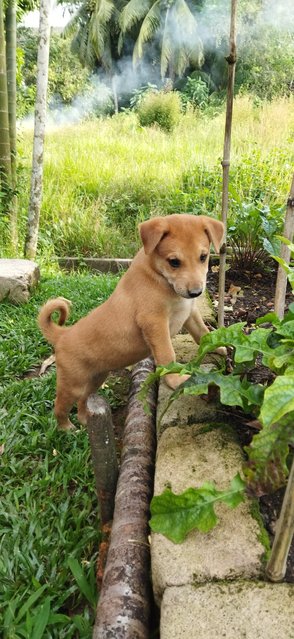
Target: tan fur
(151,303)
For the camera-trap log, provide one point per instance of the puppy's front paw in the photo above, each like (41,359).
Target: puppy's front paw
(174,380)
(221,350)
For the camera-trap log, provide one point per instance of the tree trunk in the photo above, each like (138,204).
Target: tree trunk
(5,159)
(124,605)
(114,93)
(10,22)
(281,283)
(39,131)
(231,59)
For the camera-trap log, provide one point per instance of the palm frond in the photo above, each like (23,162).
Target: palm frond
(104,11)
(167,46)
(149,27)
(186,41)
(134,12)
(79,18)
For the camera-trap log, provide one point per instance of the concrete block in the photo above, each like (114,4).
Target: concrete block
(186,458)
(238,610)
(17,278)
(185,411)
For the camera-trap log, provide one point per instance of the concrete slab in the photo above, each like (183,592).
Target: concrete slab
(186,411)
(17,278)
(185,458)
(234,611)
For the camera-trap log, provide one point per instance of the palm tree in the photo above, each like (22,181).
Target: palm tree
(96,39)
(169,23)
(97,21)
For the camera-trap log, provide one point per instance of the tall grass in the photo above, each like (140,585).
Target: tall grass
(102,177)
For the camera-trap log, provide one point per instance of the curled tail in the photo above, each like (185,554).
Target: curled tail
(49,329)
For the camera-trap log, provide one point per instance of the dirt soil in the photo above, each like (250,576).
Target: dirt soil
(249,297)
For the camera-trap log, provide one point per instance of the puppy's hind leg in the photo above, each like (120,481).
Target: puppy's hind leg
(64,402)
(95,383)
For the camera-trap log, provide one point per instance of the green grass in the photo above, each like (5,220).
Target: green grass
(49,523)
(102,177)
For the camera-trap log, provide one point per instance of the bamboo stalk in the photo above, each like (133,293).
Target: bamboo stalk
(281,283)
(231,59)
(276,566)
(124,605)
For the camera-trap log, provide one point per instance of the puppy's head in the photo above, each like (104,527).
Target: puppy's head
(178,248)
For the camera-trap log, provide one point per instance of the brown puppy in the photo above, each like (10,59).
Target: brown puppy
(151,303)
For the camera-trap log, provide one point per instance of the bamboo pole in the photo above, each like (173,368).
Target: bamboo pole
(124,604)
(276,566)
(281,283)
(231,59)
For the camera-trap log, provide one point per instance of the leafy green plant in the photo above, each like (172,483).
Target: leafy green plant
(139,94)
(272,404)
(160,108)
(289,268)
(253,234)
(176,515)
(195,93)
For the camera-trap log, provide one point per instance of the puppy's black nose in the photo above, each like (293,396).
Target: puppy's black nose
(195,292)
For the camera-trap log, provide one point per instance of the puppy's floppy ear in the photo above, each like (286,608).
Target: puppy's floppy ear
(151,232)
(215,231)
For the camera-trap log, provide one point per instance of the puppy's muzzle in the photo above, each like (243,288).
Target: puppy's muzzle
(195,292)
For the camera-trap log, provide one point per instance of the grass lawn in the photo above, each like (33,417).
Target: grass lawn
(102,177)
(49,524)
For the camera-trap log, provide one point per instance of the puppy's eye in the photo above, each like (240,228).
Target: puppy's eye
(174,262)
(203,257)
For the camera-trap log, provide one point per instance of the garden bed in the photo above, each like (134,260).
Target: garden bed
(252,296)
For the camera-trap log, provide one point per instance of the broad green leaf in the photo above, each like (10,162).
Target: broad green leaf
(271,318)
(233,390)
(246,347)
(266,469)
(176,515)
(286,329)
(278,400)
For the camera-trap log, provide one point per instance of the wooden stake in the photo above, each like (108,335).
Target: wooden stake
(276,566)
(231,59)
(100,431)
(281,283)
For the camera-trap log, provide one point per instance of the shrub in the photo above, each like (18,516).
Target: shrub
(253,235)
(160,108)
(196,93)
